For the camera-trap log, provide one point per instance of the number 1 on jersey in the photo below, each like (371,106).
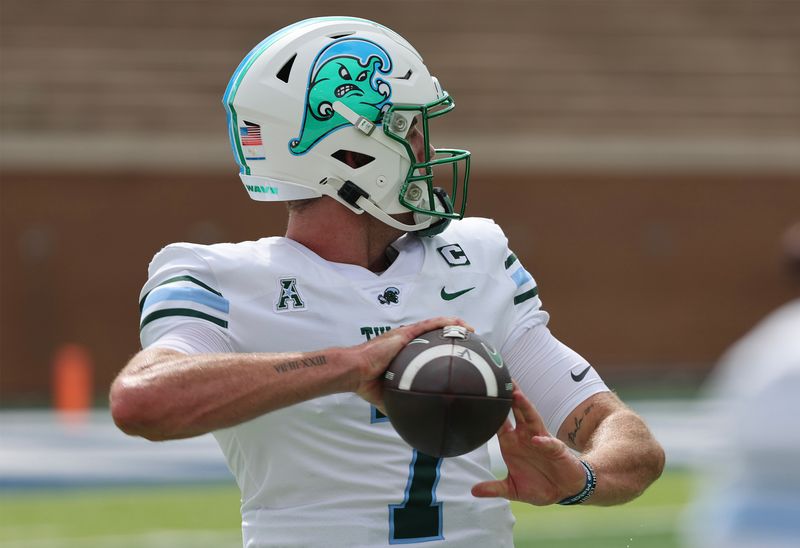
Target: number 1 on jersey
(419,517)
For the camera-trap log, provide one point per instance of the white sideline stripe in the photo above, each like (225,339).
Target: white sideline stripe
(424,357)
(166,538)
(36,446)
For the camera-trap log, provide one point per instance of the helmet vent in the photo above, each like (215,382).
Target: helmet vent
(340,35)
(405,77)
(352,158)
(286,69)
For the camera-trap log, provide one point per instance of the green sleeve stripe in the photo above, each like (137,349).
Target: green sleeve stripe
(182,312)
(185,278)
(510,260)
(531,293)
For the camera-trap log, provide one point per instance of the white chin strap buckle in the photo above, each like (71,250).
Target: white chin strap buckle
(364,126)
(359,122)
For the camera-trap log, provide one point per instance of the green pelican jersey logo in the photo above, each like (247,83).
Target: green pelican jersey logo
(391,295)
(346,71)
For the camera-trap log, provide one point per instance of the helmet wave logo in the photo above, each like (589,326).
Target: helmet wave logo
(347,70)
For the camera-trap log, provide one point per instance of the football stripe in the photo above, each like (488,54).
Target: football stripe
(485,370)
(182,312)
(423,358)
(510,260)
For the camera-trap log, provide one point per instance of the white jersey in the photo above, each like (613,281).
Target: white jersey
(332,471)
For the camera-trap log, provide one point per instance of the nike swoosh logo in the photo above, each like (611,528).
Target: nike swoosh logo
(579,376)
(450,296)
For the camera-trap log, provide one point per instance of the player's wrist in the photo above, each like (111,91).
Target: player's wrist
(352,366)
(590,482)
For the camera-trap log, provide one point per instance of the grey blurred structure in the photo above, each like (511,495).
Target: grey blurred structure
(645,154)
(750,489)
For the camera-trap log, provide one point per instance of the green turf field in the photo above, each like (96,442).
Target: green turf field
(207,516)
(648,522)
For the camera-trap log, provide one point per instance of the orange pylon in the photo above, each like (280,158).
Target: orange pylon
(73,374)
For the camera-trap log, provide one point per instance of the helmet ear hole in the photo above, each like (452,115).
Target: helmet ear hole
(352,158)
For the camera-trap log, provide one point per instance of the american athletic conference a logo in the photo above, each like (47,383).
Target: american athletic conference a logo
(347,71)
(288,296)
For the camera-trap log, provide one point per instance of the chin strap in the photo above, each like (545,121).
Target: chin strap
(441,223)
(357,200)
(381,215)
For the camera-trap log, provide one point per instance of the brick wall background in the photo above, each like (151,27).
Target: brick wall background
(643,156)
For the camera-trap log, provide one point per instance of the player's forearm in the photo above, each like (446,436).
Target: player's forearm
(162,394)
(625,456)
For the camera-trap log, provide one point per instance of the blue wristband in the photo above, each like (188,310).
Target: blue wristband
(591,483)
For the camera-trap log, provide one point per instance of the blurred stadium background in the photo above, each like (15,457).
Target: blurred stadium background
(643,157)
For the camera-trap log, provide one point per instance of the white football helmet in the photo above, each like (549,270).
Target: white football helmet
(324,107)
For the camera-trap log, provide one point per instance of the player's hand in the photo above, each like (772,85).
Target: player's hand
(374,356)
(541,468)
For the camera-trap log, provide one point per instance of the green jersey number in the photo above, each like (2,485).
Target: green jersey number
(419,517)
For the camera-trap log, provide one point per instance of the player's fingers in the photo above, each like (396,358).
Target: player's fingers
(430,324)
(505,429)
(525,409)
(451,320)
(495,488)
(519,418)
(509,442)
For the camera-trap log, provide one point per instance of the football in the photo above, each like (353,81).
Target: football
(447,392)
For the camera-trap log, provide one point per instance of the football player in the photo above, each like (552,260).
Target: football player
(277,346)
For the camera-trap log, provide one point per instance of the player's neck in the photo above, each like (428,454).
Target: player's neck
(337,234)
